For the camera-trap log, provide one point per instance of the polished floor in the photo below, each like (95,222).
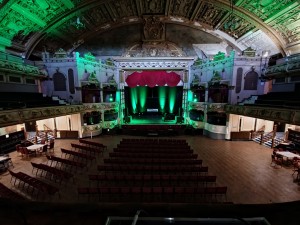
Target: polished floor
(244,167)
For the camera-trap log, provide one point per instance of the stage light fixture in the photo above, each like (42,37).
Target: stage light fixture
(111,99)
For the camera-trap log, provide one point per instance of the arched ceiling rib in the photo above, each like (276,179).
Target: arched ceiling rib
(29,27)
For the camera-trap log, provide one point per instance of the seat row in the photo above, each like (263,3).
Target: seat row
(6,192)
(68,164)
(150,150)
(158,140)
(33,183)
(93,144)
(149,179)
(80,156)
(55,174)
(153,155)
(87,149)
(150,161)
(176,169)
(157,193)
(153,146)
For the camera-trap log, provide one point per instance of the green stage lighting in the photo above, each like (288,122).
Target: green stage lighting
(111,99)
(162,93)
(172,98)
(195,99)
(133,95)
(142,93)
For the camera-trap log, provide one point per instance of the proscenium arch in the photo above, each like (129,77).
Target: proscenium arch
(167,18)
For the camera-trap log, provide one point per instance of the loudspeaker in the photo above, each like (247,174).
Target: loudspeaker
(179,119)
(127,119)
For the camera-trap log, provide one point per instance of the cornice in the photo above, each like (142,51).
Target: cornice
(290,116)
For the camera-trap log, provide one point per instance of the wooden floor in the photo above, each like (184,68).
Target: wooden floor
(244,167)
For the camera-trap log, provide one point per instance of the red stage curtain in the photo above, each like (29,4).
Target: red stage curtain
(133,79)
(153,78)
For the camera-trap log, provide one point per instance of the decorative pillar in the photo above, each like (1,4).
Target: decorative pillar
(101,92)
(122,96)
(185,95)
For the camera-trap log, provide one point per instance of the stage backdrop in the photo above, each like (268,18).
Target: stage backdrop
(159,99)
(153,78)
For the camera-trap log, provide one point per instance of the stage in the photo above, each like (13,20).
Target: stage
(153,124)
(151,118)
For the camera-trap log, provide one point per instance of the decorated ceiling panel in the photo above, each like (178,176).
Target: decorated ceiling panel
(29,27)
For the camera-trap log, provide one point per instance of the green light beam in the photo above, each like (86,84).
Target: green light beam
(162,94)
(142,93)
(172,98)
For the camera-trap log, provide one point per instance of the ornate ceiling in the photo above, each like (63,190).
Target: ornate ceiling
(28,27)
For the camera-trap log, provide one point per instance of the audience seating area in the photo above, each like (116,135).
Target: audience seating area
(17,100)
(32,184)
(6,192)
(153,170)
(279,99)
(137,170)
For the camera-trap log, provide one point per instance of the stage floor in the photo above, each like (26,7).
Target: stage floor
(150,119)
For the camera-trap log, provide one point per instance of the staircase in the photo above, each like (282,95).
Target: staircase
(59,100)
(47,134)
(251,100)
(268,139)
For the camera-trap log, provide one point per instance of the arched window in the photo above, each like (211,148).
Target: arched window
(59,82)
(251,80)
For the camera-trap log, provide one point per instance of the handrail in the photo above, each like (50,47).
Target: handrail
(47,128)
(259,132)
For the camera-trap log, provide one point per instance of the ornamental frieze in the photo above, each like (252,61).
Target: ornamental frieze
(12,117)
(151,65)
(216,107)
(15,67)
(197,106)
(100,106)
(267,113)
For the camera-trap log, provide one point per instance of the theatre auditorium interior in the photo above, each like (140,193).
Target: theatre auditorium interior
(149,112)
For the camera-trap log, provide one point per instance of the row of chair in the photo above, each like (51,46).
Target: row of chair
(68,164)
(153,146)
(33,183)
(142,169)
(87,149)
(157,193)
(93,144)
(152,179)
(149,150)
(79,156)
(55,174)
(157,140)
(151,155)
(154,161)
(6,192)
